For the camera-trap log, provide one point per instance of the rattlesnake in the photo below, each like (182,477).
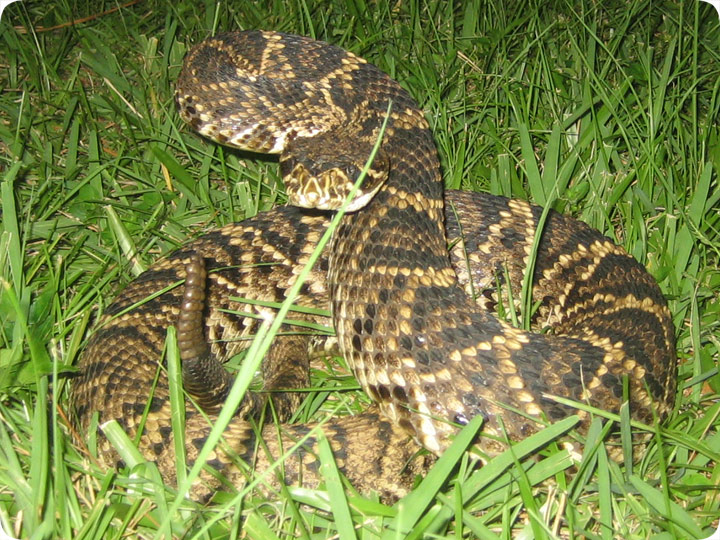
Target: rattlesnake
(413,323)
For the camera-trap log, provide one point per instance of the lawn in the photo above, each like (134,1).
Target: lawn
(609,110)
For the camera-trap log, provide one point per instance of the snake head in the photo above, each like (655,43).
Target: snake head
(320,171)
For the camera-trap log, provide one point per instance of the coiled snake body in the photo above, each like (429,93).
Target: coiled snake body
(411,321)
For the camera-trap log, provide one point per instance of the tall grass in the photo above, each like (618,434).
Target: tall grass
(609,111)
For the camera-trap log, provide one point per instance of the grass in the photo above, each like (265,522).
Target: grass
(607,111)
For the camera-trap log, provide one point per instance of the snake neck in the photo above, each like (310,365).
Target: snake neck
(400,232)
(394,293)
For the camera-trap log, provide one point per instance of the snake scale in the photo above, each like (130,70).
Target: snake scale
(413,320)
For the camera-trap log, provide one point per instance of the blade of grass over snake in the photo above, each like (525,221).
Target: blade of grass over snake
(413,507)
(604,495)
(266,332)
(177,402)
(498,465)
(336,491)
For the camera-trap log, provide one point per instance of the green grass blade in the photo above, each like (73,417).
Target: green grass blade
(413,507)
(336,491)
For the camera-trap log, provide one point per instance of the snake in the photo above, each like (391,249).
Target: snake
(413,277)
